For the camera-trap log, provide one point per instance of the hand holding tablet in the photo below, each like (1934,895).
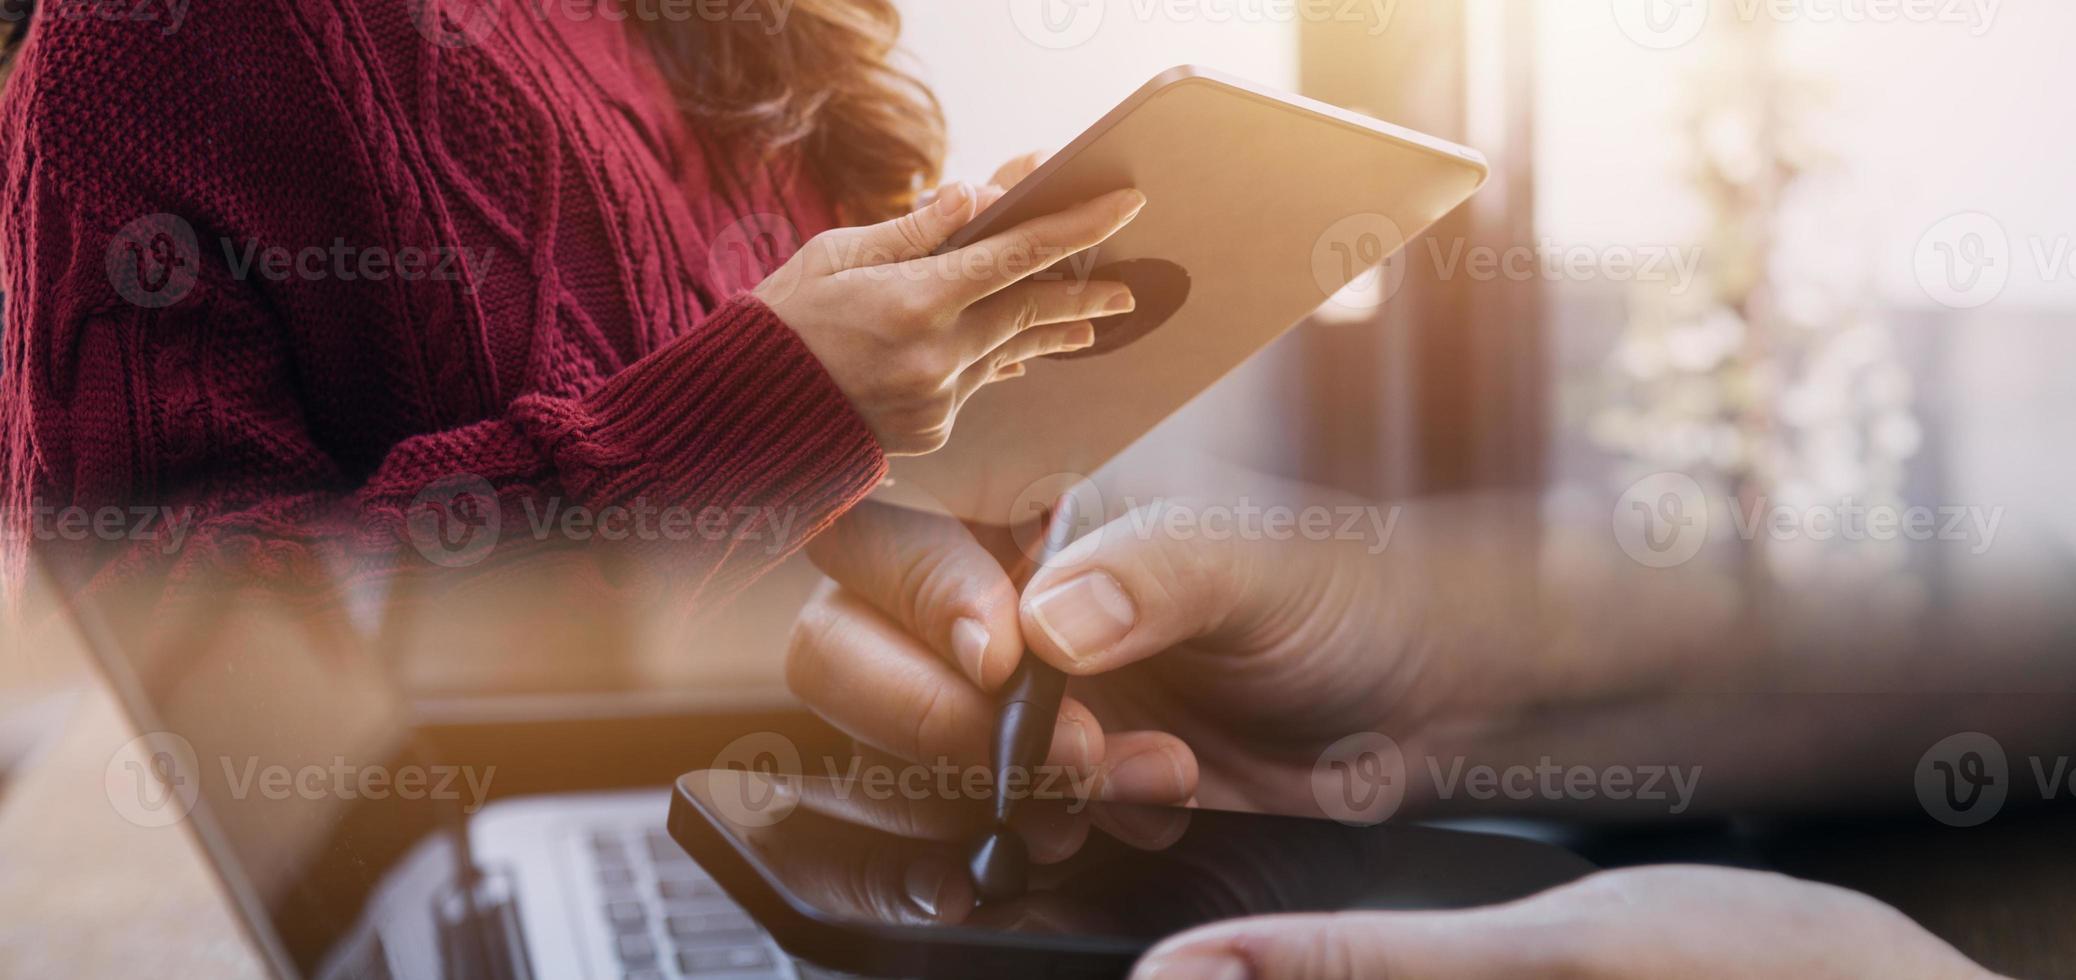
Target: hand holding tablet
(1261,206)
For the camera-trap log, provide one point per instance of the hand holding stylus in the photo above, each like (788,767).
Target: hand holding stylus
(1023,732)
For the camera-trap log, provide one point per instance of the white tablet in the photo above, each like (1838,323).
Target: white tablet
(1260,207)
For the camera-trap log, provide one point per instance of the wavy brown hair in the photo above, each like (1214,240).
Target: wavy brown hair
(816,78)
(772,78)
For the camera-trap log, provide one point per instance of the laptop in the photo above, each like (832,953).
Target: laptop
(292,760)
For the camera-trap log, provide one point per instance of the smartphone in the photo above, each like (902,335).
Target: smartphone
(867,876)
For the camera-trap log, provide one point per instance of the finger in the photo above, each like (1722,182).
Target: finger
(954,812)
(1030,345)
(1003,317)
(910,236)
(1144,828)
(1120,594)
(1052,832)
(870,794)
(929,574)
(1487,944)
(985,197)
(993,264)
(1146,767)
(865,675)
(1026,346)
(1007,372)
(896,880)
(1014,172)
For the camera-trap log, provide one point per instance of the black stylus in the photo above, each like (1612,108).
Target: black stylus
(1026,712)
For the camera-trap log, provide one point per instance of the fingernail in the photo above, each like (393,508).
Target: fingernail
(952,199)
(1123,302)
(1086,615)
(969,638)
(1192,966)
(1080,337)
(1153,774)
(1082,753)
(924,881)
(1134,202)
(1012,371)
(1070,743)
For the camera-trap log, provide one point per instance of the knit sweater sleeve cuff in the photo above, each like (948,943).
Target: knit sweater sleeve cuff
(736,413)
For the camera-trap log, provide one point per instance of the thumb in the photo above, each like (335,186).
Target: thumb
(908,237)
(1484,944)
(1135,587)
(934,576)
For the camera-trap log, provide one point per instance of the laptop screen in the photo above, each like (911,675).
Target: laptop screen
(279,739)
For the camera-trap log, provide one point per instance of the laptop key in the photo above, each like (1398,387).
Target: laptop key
(723,959)
(688,889)
(613,876)
(626,912)
(705,925)
(647,973)
(637,949)
(663,850)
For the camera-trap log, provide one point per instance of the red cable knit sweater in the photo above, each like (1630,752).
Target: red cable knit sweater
(298,267)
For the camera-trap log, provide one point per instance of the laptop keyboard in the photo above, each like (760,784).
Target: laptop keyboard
(668,918)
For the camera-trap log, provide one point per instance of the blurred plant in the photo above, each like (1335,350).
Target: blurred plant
(1770,375)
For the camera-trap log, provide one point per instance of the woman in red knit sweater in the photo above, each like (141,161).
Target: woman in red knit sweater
(346,289)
